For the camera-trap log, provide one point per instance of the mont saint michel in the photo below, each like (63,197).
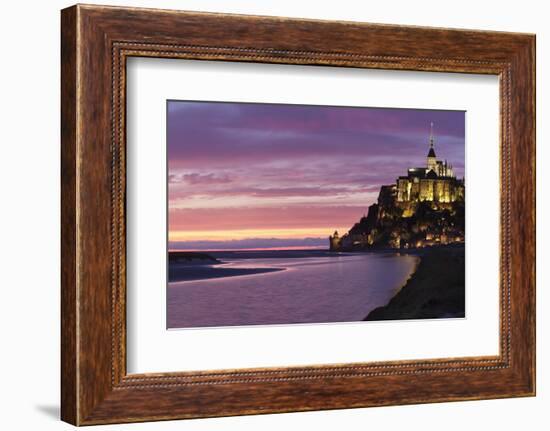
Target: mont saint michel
(423,208)
(255,191)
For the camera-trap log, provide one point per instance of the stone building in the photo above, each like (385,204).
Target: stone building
(423,208)
(436,182)
(334,241)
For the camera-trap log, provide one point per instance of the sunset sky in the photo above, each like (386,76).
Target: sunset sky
(264,175)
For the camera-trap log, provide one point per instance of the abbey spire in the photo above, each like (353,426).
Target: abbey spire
(432,162)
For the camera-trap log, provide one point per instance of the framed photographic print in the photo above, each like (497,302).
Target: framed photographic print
(268,215)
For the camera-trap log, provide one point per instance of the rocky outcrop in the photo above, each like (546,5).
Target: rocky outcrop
(404,225)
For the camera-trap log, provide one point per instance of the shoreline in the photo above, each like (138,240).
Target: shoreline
(191,266)
(436,289)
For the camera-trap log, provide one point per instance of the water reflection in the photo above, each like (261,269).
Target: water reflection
(309,290)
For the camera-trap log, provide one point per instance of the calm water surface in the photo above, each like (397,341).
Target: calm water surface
(314,289)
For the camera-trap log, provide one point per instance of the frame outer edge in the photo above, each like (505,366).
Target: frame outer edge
(69,302)
(533,54)
(531,127)
(531,64)
(523,216)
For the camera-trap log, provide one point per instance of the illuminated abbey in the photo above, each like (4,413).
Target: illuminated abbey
(423,208)
(435,182)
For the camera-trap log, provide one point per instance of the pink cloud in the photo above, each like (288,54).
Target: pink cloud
(196,178)
(265,218)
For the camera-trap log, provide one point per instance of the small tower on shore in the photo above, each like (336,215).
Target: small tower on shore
(334,241)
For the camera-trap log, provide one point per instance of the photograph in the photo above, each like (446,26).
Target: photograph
(285,214)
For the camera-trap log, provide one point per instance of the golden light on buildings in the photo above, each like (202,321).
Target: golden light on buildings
(433,189)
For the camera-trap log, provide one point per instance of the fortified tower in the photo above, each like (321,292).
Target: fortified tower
(334,241)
